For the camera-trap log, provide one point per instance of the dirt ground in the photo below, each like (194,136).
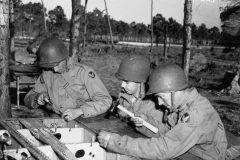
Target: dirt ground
(105,62)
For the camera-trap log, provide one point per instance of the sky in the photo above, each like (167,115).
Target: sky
(204,11)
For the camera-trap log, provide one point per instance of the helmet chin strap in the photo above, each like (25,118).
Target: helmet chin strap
(173,100)
(138,93)
(172,107)
(68,65)
(142,90)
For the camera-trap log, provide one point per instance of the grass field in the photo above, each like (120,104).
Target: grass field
(106,61)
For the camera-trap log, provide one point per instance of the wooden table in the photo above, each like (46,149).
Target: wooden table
(122,127)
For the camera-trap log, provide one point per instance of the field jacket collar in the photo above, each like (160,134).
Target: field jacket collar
(192,96)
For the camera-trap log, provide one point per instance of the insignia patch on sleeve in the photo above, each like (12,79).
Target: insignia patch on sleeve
(185,118)
(91,74)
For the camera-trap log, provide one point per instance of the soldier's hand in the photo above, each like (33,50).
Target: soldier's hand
(41,100)
(122,114)
(137,121)
(103,138)
(71,114)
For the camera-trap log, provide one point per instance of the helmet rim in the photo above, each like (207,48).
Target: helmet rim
(134,68)
(51,52)
(167,78)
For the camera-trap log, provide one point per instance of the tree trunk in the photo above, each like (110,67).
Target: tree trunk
(44,19)
(152,25)
(169,42)
(5,101)
(12,28)
(165,42)
(85,24)
(157,54)
(74,47)
(187,35)
(109,25)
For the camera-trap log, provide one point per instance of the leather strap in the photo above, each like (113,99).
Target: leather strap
(79,97)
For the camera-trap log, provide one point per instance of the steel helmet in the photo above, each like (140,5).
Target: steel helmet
(135,68)
(51,52)
(167,78)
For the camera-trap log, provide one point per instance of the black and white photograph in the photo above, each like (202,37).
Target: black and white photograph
(119,79)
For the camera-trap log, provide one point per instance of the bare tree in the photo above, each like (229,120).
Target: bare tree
(44,18)
(12,30)
(74,47)
(151,25)
(85,24)
(5,102)
(187,35)
(165,42)
(11,25)
(109,24)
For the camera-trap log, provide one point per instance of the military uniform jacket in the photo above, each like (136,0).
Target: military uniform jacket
(195,126)
(85,83)
(147,107)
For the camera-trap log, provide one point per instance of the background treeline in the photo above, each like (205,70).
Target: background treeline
(29,22)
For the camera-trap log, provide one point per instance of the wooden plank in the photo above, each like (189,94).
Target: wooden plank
(121,127)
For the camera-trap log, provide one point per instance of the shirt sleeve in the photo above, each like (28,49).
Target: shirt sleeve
(123,101)
(30,99)
(155,118)
(100,100)
(173,144)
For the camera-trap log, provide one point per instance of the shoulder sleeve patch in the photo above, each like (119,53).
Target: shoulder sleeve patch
(185,118)
(91,74)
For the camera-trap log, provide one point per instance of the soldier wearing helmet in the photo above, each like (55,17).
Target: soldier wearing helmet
(70,89)
(134,71)
(193,124)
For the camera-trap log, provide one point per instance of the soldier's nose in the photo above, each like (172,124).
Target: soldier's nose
(124,84)
(160,101)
